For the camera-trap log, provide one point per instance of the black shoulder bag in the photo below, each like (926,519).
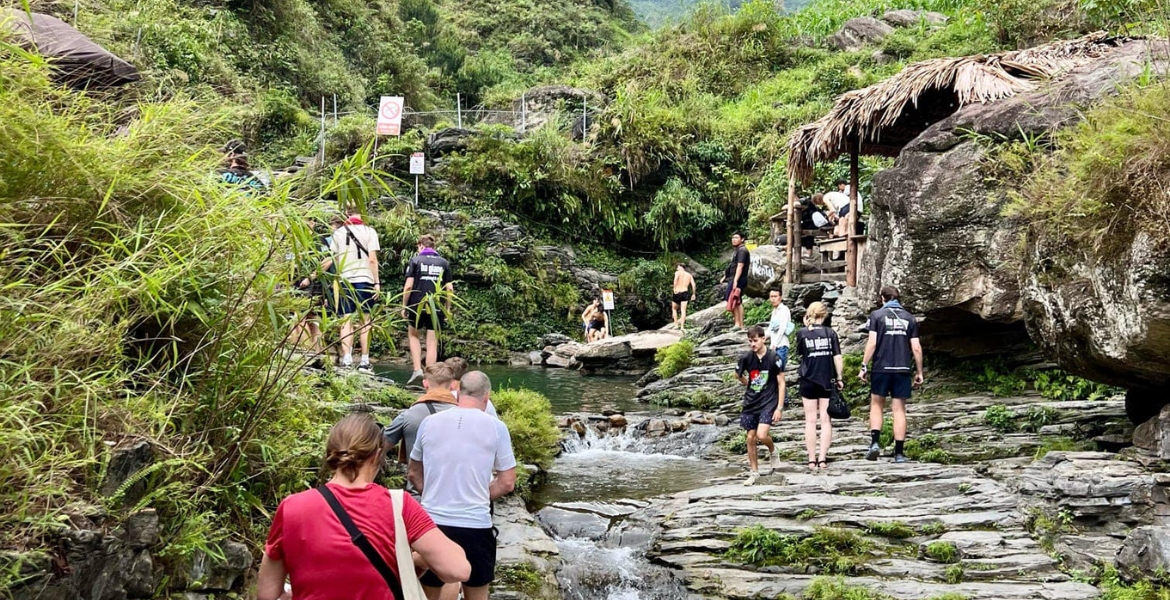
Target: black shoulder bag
(838,407)
(349,236)
(363,544)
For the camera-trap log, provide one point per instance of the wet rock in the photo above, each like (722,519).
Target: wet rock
(127,458)
(858,33)
(206,573)
(617,421)
(721,420)
(677,425)
(650,377)
(1146,553)
(140,576)
(142,529)
(627,353)
(572,524)
(656,427)
(563,356)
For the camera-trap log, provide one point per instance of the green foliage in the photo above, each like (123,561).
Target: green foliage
(700,399)
(890,529)
(997,379)
(522,577)
(926,449)
(530,422)
(933,528)
(756,312)
(835,550)
(1087,192)
(673,359)
(856,391)
(944,552)
(826,588)
(1117,587)
(1062,444)
(678,212)
(954,574)
(1037,417)
(159,298)
(1047,526)
(1000,418)
(807,514)
(1059,385)
(886,437)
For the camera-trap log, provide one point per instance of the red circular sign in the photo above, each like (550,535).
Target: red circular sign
(391,110)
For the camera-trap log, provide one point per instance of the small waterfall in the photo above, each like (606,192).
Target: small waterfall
(594,572)
(626,440)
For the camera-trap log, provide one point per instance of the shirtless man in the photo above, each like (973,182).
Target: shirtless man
(684,289)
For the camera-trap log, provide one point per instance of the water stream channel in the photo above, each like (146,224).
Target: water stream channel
(596,486)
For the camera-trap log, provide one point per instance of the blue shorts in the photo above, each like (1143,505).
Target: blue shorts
(355,297)
(891,385)
(749,420)
(782,354)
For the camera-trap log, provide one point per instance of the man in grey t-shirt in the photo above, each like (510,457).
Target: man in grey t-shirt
(451,465)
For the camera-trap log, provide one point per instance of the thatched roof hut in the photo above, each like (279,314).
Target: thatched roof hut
(884,117)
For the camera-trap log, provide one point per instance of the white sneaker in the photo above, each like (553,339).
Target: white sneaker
(752,477)
(413,376)
(775,461)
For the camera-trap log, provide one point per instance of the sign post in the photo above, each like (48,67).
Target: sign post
(607,305)
(390,115)
(417,167)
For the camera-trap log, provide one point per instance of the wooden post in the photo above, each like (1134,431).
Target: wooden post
(851,232)
(789,273)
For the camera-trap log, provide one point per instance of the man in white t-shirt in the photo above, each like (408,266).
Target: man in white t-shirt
(778,330)
(451,465)
(354,248)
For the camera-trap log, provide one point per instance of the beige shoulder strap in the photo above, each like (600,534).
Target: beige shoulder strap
(411,588)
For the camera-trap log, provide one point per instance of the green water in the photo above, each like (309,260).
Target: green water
(569,391)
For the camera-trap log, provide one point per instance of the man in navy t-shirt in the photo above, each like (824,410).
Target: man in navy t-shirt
(760,370)
(897,366)
(424,307)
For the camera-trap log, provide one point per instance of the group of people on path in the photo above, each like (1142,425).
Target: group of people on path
(345,538)
(893,349)
(354,292)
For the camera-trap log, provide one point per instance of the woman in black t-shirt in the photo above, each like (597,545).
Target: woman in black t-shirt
(820,370)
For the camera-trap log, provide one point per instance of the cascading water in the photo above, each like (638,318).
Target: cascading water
(592,498)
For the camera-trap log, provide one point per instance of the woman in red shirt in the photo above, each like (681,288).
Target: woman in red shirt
(308,544)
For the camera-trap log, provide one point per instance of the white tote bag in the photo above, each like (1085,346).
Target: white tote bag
(411,588)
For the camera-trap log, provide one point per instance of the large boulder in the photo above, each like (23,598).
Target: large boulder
(626,353)
(538,106)
(859,33)
(938,232)
(1153,436)
(1146,552)
(909,18)
(767,270)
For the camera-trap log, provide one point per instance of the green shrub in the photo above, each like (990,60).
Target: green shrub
(1000,418)
(1117,587)
(1062,444)
(944,552)
(1037,417)
(1059,385)
(891,529)
(530,422)
(675,358)
(925,448)
(954,574)
(832,549)
(932,528)
(826,588)
(856,391)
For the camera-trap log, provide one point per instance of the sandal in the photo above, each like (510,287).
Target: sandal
(812,465)
(822,464)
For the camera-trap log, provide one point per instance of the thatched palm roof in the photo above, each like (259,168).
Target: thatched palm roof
(885,116)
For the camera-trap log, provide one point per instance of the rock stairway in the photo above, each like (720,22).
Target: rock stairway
(956,504)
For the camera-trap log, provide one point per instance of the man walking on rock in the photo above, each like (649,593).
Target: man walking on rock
(896,350)
(422,307)
(779,326)
(403,430)
(683,290)
(354,248)
(451,465)
(736,277)
(759,369)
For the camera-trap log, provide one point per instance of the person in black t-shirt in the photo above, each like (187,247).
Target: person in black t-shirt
(426,300)
(895,349)
(820,371)
(759,369)
(736,277)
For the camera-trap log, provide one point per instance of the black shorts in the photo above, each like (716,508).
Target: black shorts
(596,325)
(420,316)
(680,297)
(751,419)
(355,297)
(813,390)
(480,547)
(891,385)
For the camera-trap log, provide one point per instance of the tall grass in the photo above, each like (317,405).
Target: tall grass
(142,299)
